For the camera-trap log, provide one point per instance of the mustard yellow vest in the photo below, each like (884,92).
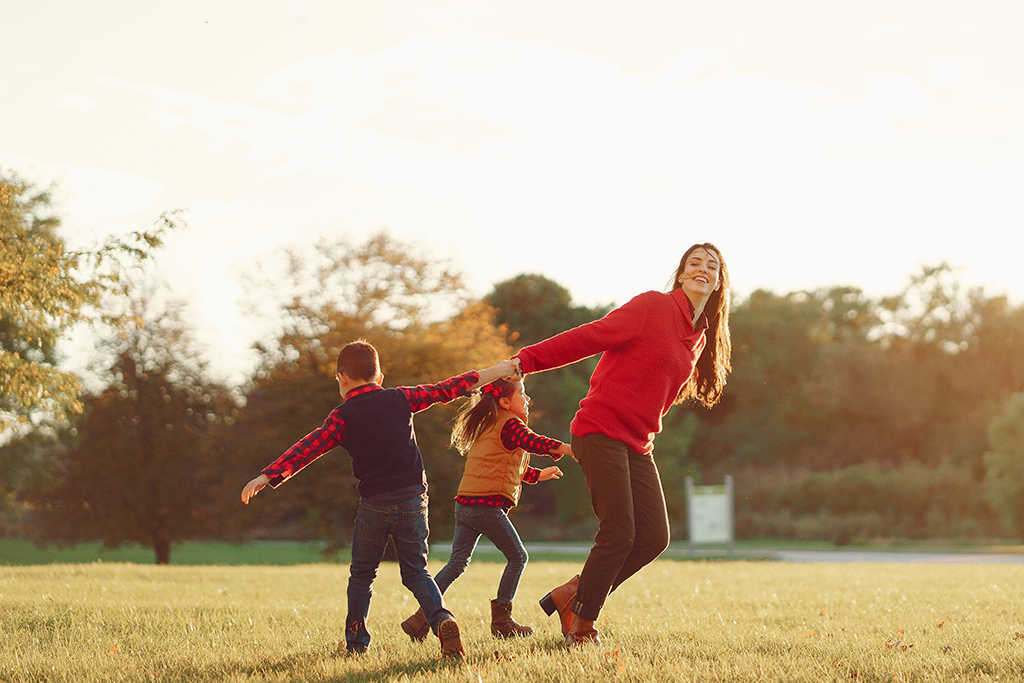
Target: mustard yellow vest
(491,469)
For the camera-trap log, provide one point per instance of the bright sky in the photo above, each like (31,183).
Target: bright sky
(815,142)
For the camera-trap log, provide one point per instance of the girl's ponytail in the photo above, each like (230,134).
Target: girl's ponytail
(479,414)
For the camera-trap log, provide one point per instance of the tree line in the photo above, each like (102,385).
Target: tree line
(846,417)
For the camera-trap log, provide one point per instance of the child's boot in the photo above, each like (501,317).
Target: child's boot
(502,623)
(561,599)
(581,632)
(417,626)
(451,640)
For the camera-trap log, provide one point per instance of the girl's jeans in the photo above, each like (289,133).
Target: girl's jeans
(471,522)
(406,524)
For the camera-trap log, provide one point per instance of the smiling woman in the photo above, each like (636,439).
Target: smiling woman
(654,355)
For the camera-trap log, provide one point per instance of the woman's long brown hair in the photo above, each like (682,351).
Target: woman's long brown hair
(715,362)
(478,416)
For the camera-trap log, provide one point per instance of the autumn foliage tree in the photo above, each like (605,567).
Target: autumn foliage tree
(415,311)
(141,468)
(45,289)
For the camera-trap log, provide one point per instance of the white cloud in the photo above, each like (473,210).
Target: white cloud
(877,33)
(114,193)
(993,97)
(76,102)
(946,72)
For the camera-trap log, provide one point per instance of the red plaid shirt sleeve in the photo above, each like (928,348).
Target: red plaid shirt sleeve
(310,447)
(515,435)
(531,475)
(425,395)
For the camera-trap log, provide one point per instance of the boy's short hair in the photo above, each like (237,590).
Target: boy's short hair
(359,361)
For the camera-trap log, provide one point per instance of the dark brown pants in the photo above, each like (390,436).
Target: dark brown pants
(626,494)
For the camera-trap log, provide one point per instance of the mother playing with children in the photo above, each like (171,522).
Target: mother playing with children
(658,350)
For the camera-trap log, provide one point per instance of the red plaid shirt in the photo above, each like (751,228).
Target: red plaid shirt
(515,434)
(331,434)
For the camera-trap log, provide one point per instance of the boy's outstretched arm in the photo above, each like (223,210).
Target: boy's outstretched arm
(505,368)
(254,487)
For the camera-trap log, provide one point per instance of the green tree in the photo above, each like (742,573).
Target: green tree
(140,469)
(534,308)
(44,290)
(416,312)
(1005,464)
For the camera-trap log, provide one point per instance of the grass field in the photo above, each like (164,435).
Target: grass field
(689,621)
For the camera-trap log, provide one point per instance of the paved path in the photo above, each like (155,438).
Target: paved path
(906,557)
(895,556)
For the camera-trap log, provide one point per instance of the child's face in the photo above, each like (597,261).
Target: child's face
(518,402)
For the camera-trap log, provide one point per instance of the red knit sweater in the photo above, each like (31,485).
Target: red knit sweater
(650,349)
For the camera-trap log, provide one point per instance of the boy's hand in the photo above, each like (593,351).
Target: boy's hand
(254,487)
(505,369)
(549,473)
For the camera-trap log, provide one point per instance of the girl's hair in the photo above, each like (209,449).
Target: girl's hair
(480,414)
(715,363)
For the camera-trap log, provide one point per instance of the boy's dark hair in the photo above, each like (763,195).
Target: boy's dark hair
(359,361)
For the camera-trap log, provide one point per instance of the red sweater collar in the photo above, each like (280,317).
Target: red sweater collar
(680,296)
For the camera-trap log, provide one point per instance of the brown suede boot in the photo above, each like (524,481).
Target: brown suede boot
(561,599)
(582,632)
(451,639)
(502,623)
(417,626)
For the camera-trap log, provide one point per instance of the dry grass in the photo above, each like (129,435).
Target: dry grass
(723,621)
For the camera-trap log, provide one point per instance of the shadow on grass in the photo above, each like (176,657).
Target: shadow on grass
(330,666)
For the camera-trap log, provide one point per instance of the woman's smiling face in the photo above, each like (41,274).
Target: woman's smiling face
(701,273)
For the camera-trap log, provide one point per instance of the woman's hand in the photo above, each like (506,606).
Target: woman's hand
(254,487)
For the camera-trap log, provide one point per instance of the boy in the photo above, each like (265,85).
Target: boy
(375,426)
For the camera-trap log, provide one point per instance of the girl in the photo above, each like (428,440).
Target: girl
(491,432)
(658,350)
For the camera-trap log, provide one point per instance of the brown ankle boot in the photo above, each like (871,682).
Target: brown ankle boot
(451,639)
(502,623)
(561,599)
(417,626)
(582,632)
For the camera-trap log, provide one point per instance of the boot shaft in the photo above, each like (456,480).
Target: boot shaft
(502,623)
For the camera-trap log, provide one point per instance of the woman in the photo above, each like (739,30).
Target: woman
(658,350)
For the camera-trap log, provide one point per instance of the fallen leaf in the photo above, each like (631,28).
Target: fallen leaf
(114,649)
(807,634)
(939,623)
(821,613)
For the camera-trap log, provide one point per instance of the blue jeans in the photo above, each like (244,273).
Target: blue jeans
(471,522)
(406,524)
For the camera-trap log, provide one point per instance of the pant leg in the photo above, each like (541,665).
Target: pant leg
(463,544)
(368,541)
(494,523)
(605,464)
(410,537)
(650,516)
